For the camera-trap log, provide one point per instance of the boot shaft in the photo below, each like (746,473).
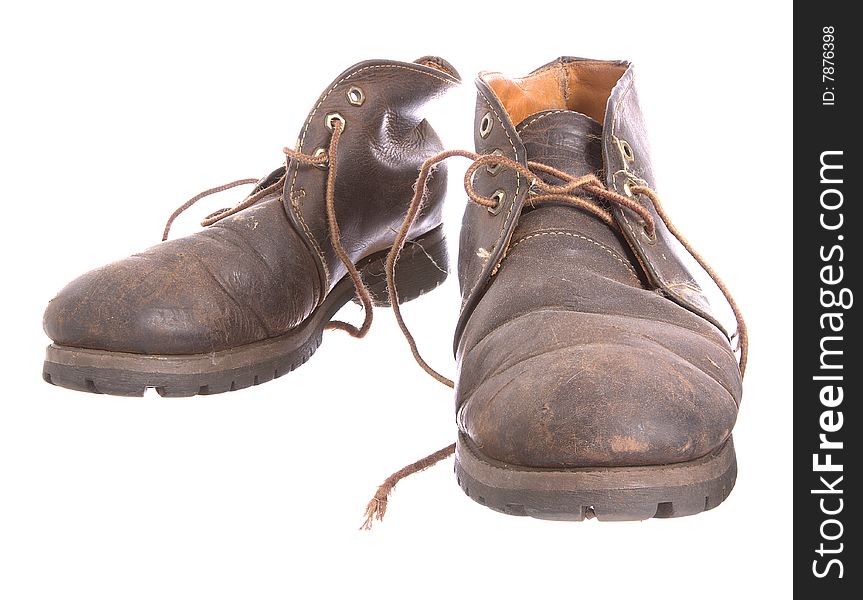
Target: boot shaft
(385,140)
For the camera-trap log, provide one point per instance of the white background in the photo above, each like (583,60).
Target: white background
(111,116)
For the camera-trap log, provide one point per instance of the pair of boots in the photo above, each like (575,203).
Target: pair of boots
(599,357)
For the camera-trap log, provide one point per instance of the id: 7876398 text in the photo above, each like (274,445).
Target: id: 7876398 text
(828,65)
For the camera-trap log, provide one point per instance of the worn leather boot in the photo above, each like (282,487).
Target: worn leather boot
(595,378)
(246,299)
(598,373)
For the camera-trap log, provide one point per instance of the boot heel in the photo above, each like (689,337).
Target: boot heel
(422,266)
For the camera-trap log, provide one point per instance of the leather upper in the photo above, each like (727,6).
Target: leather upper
(262,271)
(572,349)
(245,278)
(485,236)
(384,142)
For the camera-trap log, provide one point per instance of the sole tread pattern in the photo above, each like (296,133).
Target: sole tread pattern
(609,498)
(128,384)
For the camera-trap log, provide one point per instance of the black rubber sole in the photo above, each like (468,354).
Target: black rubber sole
(423,265)
(607,494)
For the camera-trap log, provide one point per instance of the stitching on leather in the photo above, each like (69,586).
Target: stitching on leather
(294,203)
(625,170)
(521,128)
(622,211)
(517,184)
(614,254)
(617,116)
(296,206)
(663,279)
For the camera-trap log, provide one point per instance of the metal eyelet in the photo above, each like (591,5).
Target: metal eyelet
(650,239)
(356,96)
(626,150)
(627,187)
(319,152)
(499,198)
(493,169)
(485,125)
(332,117)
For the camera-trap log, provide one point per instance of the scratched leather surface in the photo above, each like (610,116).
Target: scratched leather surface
(573,355)
(670,265)
(245,278)
(256,275)
(484,235)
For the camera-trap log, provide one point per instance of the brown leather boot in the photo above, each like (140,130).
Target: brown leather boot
(595,377)
(246,299)
(598,372)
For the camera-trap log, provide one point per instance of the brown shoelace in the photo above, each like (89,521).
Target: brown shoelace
(328,159)
(567,192)
(541,192)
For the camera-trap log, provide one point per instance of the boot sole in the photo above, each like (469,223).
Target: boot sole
(422,266)
(607,494)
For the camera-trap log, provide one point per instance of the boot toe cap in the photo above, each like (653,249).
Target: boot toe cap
(597,394)
(147,304)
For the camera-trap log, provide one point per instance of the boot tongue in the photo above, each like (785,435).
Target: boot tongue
(570,142)
(563,139)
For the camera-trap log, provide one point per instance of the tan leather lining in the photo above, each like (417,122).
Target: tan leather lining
(582,86)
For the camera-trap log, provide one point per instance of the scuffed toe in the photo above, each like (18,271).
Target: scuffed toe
(598,394)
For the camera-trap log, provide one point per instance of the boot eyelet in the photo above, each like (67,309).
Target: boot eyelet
(499,198)
(650,239)
(627,187)
(494,169)
(332,118)
(356,96)
(626,150)
(485,125)
(319,152)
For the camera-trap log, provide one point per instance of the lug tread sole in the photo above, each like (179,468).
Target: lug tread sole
(606,494)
